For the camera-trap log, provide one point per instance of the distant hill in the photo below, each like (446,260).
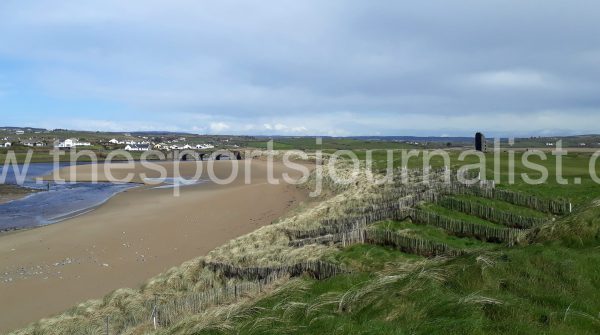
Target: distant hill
(31,129)
(414,138)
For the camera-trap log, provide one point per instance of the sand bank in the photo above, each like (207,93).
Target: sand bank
(13,192)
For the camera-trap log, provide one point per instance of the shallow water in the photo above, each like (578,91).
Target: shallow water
(172,182)
(54,202)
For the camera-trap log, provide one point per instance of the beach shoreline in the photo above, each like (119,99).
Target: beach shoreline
(10,193)
(133,236)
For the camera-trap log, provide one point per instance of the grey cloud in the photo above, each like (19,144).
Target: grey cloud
(391,67)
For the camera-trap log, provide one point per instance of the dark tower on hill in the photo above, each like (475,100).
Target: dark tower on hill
(480,143)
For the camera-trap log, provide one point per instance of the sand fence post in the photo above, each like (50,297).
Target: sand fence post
(154,312)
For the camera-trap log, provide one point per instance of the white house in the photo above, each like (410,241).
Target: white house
(68,143)
(71,143)
(137,147)
(19,132)
(115,141)
(204,146)
(7,145)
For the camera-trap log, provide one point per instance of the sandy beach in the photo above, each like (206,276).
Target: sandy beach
(132,237)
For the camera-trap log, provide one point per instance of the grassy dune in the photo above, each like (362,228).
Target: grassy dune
(545,288)
(550,285)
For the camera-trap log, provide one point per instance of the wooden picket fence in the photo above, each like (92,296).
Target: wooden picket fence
(491,214)
(165,310)
(407,244)
(387,194)
(169,310)
(408,200)
(345,238)
(558,207)
(329,229)
(464,228)
(363,216)
(342,225)
(317,269)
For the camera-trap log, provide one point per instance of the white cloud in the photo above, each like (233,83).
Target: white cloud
(218,127)
(300,129)
(107,125)
(281,128)
(512,79)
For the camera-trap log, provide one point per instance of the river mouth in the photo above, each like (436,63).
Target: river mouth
(55,201)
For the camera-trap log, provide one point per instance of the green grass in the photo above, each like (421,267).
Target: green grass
(515,296)
(550,286)
(574,165)
(537,289)
(328,144)
(368,258)
(503,206)
(433,234)
(458,215)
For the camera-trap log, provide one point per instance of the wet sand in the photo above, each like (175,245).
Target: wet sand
(132,237)
(13,192)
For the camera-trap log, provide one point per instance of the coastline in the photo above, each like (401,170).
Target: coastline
(130,238)
(63,217)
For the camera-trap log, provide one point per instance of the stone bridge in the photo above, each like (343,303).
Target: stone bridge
(198,155)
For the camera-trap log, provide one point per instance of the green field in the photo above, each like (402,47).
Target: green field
(574,166)
(329,144)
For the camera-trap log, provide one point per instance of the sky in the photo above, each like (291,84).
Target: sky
(284,67)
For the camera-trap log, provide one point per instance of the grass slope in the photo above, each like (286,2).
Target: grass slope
(548,287)
(433,234)
(503,206)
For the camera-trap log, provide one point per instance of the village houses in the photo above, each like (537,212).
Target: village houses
(137,147)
